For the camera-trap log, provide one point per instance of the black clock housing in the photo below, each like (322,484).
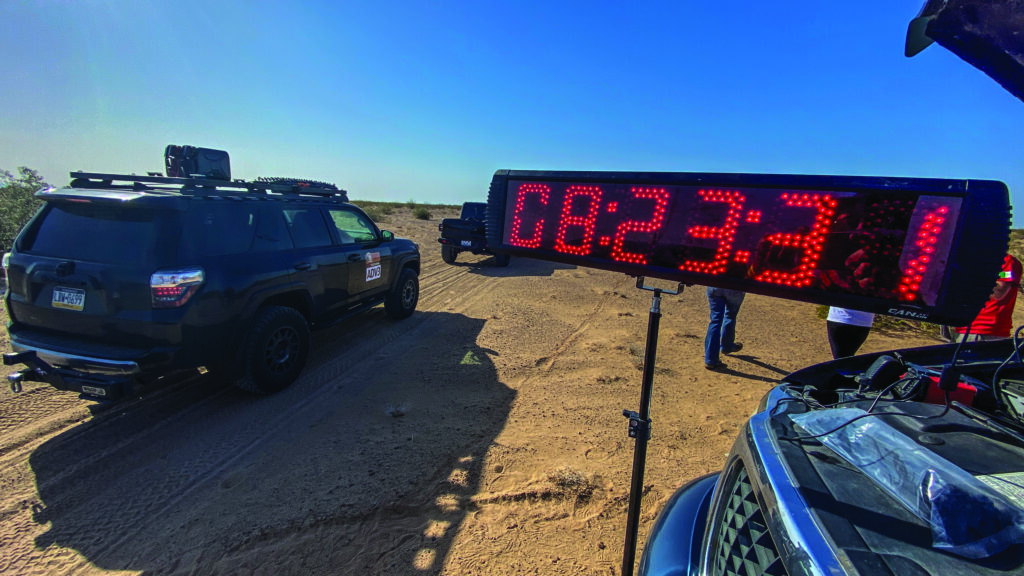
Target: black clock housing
(929,249)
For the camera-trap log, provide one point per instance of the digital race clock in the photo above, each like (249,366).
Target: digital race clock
(921,248)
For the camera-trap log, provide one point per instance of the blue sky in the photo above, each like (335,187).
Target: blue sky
(425,100)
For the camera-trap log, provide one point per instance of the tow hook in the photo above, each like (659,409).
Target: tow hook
(37,371)
(15,380)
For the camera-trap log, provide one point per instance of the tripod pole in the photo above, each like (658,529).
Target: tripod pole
(640,429)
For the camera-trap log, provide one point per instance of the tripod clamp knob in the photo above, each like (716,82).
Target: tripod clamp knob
(638,427)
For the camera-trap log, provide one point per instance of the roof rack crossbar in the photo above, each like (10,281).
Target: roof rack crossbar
(208,185)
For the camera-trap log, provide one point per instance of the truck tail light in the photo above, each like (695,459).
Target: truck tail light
(173,288)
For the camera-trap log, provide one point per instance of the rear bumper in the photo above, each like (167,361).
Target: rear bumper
(476,247)
(107,387)
(90,356)
(79,363)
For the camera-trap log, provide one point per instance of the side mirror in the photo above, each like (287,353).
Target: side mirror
(387,235)
(917,36)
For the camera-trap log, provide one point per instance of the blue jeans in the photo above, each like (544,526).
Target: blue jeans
(724,305)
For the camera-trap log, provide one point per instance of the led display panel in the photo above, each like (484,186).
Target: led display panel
(920,248)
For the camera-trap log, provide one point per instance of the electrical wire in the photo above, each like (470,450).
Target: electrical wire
(956,353)
(870,412)
(1016,354)
(813,404)
(1017,345)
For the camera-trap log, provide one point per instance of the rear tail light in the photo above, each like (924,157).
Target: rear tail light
(440,227)
(173,288)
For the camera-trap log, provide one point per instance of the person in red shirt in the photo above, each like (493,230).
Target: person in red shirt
(995,320)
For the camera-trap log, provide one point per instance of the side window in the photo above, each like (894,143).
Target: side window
(219,229)
(353,227)
(307,227)
(272,233)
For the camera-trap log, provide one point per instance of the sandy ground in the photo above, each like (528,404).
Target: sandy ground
(483,435)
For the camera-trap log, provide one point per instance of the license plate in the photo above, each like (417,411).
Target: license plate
(94,391)
(467,243)
(68,298)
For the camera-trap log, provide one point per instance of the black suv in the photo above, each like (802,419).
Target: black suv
(121,278)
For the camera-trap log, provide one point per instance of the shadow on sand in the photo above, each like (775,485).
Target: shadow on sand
(367,464)
(517,267)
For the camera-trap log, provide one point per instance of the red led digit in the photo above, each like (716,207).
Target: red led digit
(922,248)
(517,221)
(660,197)
(587,221)
(809,245)
(724,233)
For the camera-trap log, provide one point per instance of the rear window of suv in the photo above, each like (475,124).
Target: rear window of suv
(474,211)
(93,232)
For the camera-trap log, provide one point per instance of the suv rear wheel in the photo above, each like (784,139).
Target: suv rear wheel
(401,301)
(275,350)
(449,254)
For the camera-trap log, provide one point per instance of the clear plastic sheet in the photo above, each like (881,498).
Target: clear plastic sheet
(967,517)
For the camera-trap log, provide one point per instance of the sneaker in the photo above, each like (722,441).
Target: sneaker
(715,366)
(735,348)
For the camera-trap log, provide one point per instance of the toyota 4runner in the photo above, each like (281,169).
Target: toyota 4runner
(122,278)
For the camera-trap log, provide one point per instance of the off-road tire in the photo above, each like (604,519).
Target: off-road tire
(449,254)
(274,351)
(502,260)
(401,300)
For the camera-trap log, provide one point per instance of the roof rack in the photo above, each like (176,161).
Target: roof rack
(199,185)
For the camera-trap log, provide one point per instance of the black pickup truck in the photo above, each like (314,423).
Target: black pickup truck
(467,234)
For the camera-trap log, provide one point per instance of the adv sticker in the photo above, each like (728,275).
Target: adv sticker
(372,266)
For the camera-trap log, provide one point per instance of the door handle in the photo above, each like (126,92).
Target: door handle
(355,257)
(303,266)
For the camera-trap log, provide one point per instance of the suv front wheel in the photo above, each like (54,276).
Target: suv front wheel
(401,300)
(275,350)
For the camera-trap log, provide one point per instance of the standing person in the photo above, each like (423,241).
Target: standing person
(721,337)
(847,330)
(995,321)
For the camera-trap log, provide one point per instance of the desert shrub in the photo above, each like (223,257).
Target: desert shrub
(572,482)
(421,213)
(17,202)
(375,213)
(1017,244)
(379,211)
(410,204)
